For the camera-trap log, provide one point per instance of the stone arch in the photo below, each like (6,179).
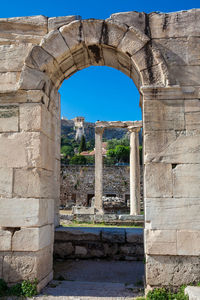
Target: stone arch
(30,123)
(83,43)
(60,54)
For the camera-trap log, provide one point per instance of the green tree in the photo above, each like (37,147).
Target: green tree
(68,151)
(115,142)
(122,153)
(82,146)
(78,160)
(90,145)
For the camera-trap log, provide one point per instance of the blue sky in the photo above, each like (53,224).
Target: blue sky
(98,93)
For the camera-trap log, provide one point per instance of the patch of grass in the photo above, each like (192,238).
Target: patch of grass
(26,288)
(102,224)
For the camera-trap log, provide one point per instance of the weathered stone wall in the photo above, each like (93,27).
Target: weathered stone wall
(160,52)
(117,243)
(77,185)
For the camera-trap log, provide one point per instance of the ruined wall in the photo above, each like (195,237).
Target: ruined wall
(77,187)
(106,243)
(160,52)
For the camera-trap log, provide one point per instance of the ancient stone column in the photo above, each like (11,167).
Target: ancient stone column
(134,171)
(98,203)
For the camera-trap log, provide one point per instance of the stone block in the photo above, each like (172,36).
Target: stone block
(21,212)
(77,234)
(6,182)
(9,81)
(134,235)
(193,50)
(41,59)
(93,31)
(188,242)
(5,240)
(172,270)
(43,283)
(83,210)
(155,142)
(132,18)
(26,149)
(192,120)
(37,96)
(186,75)
(22,29)
(193,292)
(192,106)
(175,25)
(128,250)
(32,239)
(57,22)
(81,57)
(160,242)
(28,25)
(174,51)
(132,41)
(163,115)
(1,266)
(9,115)
(63,250)
(18,266)
(36,117)
(113,235)
(184,149)
(172,213)
(186,179)
(54,44)
(12,57)
(110,57)
(13,97)
(158,180)
(113,33)
(80,251)
(73,34)
(34,79)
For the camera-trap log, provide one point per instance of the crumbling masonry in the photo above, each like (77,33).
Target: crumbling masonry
(161,53)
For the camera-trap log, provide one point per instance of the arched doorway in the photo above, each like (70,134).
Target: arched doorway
(61,53)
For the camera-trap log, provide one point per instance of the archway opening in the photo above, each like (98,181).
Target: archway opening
(96,94)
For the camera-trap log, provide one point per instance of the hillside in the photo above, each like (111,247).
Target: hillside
(68,130)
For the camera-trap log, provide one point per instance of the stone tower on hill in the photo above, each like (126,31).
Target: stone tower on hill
(79,127)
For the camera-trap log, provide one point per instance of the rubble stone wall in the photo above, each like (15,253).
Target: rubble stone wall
(109,243)
(77,187)
(160,52)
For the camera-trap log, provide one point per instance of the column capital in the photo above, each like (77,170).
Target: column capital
(134,129)
(99,130)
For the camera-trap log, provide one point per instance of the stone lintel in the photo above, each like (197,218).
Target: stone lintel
(118,124)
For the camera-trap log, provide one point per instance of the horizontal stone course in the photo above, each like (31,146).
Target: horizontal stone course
(172,213)
(83,242)
(172,270)
(26,212)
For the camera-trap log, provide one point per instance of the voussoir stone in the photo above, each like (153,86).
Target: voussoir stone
(57,22)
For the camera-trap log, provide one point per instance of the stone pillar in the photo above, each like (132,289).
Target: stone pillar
(98,203)
(134,171)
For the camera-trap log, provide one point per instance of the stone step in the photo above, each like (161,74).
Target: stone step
(193,292)
(88,290)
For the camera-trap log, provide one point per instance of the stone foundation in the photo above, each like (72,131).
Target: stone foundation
(172,270)
(104,243)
